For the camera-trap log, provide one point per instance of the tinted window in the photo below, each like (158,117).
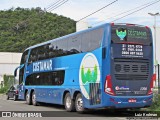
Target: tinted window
(12,88)
(23,61)
(39,53)
(91,40)
(122,33)
(33,56)
(84,42)
(61,47)
(46,78)
(74,44)
(21,73)
(96,38)
(24,57)
(52,50)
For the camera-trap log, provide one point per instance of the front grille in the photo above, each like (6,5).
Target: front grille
(131,69)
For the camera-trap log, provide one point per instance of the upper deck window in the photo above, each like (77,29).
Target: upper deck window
(24,57)
(83,42)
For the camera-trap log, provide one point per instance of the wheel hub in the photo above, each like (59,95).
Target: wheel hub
(34,98)
(68,102)
(27,98)
(80,103)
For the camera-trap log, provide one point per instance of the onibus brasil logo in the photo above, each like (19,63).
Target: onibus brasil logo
(89,73)
(121,33)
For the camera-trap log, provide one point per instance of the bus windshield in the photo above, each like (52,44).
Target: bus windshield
(131,34)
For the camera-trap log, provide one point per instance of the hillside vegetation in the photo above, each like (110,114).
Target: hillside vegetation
(21,28)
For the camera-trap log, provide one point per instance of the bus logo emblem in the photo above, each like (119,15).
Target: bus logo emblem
(89,73)
(121,33)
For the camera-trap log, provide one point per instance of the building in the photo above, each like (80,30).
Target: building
(8,63)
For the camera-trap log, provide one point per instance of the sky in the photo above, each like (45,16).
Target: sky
(77,9)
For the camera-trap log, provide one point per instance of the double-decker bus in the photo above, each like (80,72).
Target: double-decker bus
(109,66)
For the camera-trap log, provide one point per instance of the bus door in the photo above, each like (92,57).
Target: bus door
(21,83)
(22,72)
(18,76)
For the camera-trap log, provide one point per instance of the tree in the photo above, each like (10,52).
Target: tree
(23,27)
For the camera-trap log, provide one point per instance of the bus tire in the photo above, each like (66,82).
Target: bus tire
(79,104)
(34,101)
(69,103)
(28,99)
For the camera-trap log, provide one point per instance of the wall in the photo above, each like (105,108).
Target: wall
(8,63)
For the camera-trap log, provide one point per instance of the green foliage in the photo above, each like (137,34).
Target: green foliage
(22,27)
(156,103)
(3,90)
(8,81)
(89,76)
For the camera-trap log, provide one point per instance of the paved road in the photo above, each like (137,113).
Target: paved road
(57,110)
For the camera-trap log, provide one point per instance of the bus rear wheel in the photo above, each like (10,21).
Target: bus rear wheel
(69,103)
(79,104)
(34,101)
(28,99)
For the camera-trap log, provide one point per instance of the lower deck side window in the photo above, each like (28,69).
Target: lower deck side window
(46,78)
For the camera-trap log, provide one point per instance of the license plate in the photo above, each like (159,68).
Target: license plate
(132,100)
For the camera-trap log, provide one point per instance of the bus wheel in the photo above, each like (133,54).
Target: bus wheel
(69,103)
(28,100)
(34,101)
(79,105)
